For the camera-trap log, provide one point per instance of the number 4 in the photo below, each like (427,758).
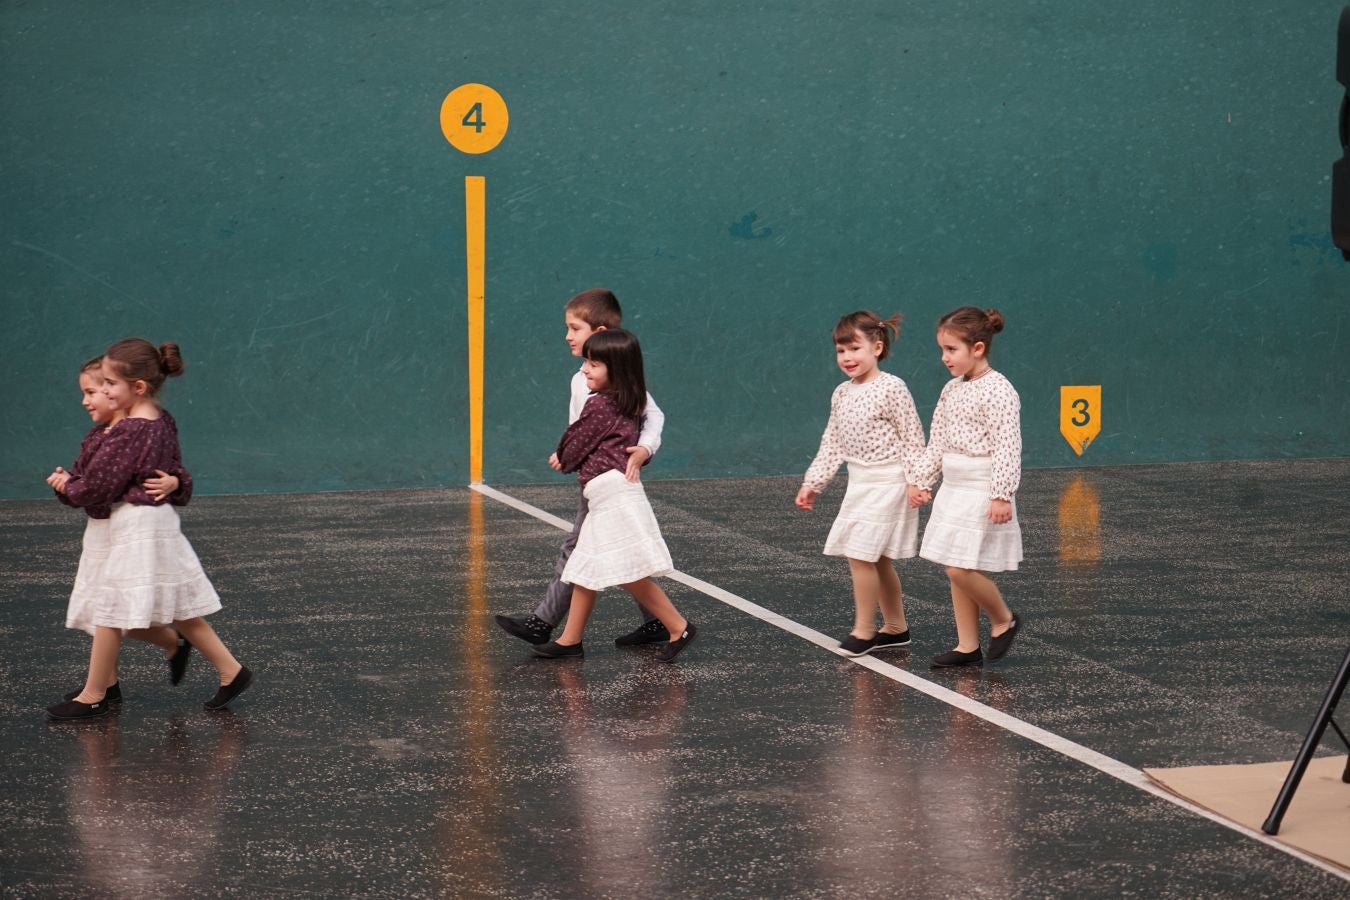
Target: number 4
(474,118)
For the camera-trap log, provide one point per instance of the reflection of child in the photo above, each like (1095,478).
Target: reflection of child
(160,487)
(585,314)
(141,572)
(975,442)
(875,428)
(620,542)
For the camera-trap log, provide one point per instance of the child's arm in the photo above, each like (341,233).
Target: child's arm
(827,461)
(110,470)
(598,418)
(649,441)
(925,472)
(1003,409)
(177,489)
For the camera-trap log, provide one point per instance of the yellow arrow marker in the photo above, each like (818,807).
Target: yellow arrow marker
(474,120)
(1080,415)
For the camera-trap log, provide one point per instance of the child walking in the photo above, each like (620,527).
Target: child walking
(875,428)
(975,443)
(585,314)
(176,488)
(142,572)
(620,542)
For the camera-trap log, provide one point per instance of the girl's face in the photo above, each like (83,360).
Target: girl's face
(858,357)
(960,358)
(122,394)
(92,398)
(596,374)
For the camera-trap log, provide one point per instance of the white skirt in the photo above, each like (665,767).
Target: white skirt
(620,541)
(875,519)
(959,532)
(137,570)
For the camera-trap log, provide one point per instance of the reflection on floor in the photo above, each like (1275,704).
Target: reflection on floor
(397,743)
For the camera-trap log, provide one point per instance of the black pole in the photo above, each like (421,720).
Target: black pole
(1305,753)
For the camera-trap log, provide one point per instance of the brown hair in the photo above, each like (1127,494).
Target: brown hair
(597,307)
(872,328)
(973,325)
(95,363)
(136,359)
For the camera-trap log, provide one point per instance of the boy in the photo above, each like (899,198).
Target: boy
(586,313)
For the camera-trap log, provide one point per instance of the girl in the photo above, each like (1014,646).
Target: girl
(875,428)
(620,542)
(976,444)
(149,575)
(160,487)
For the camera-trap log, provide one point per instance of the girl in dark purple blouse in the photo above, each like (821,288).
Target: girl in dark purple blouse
(174,486)
(140,572)
(620,542)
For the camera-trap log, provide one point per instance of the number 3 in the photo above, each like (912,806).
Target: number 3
(1081,405)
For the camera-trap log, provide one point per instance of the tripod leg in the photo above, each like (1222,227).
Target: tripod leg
(1305,753)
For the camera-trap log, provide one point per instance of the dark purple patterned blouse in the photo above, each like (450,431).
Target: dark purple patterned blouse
(599,440)
(113,463)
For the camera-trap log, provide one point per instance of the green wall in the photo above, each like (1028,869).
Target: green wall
(1141,188)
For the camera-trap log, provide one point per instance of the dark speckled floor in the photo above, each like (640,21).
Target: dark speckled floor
(397,744)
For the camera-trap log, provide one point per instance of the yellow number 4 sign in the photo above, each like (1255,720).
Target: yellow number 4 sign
(1080,414)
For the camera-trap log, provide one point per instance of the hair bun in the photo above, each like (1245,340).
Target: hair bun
(995,319)
(171,360)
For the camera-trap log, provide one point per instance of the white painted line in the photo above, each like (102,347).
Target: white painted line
(1048,739)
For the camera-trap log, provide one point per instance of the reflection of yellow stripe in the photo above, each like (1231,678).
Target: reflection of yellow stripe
(475,190)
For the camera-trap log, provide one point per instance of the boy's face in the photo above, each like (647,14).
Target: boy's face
(577,332)
(92,398)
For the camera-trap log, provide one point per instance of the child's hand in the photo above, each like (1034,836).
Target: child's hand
(554,464)
(161,487)
(637,458)
(1000,511)
(806,498)
(57,480)
(918,496)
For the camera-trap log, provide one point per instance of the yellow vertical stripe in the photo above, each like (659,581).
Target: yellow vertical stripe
(475,201)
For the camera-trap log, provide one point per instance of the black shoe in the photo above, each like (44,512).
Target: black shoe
(531,629)
(113,694)
(856,646)
(652,632)
(178,662)
(68,710)
(227,692)
(998,646)
(884,641)
(555,650)
(674,648)
(954,658)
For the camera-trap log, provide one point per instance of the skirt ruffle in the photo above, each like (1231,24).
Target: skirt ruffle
(138,570)
(959,532)
(875,519)
(620,541)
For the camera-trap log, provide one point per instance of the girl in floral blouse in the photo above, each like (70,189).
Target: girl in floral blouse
(975,442)
(875,428)
(620,542)
(146,574)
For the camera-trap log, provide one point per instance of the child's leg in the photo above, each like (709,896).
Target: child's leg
(966,612)
(981,589)
(891,597)
(201,635)
(866,596)
(161,636)
(650,597)
(559,596)
(583,601)
(102,664)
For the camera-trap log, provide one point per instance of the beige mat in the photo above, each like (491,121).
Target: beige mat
(1318,821)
